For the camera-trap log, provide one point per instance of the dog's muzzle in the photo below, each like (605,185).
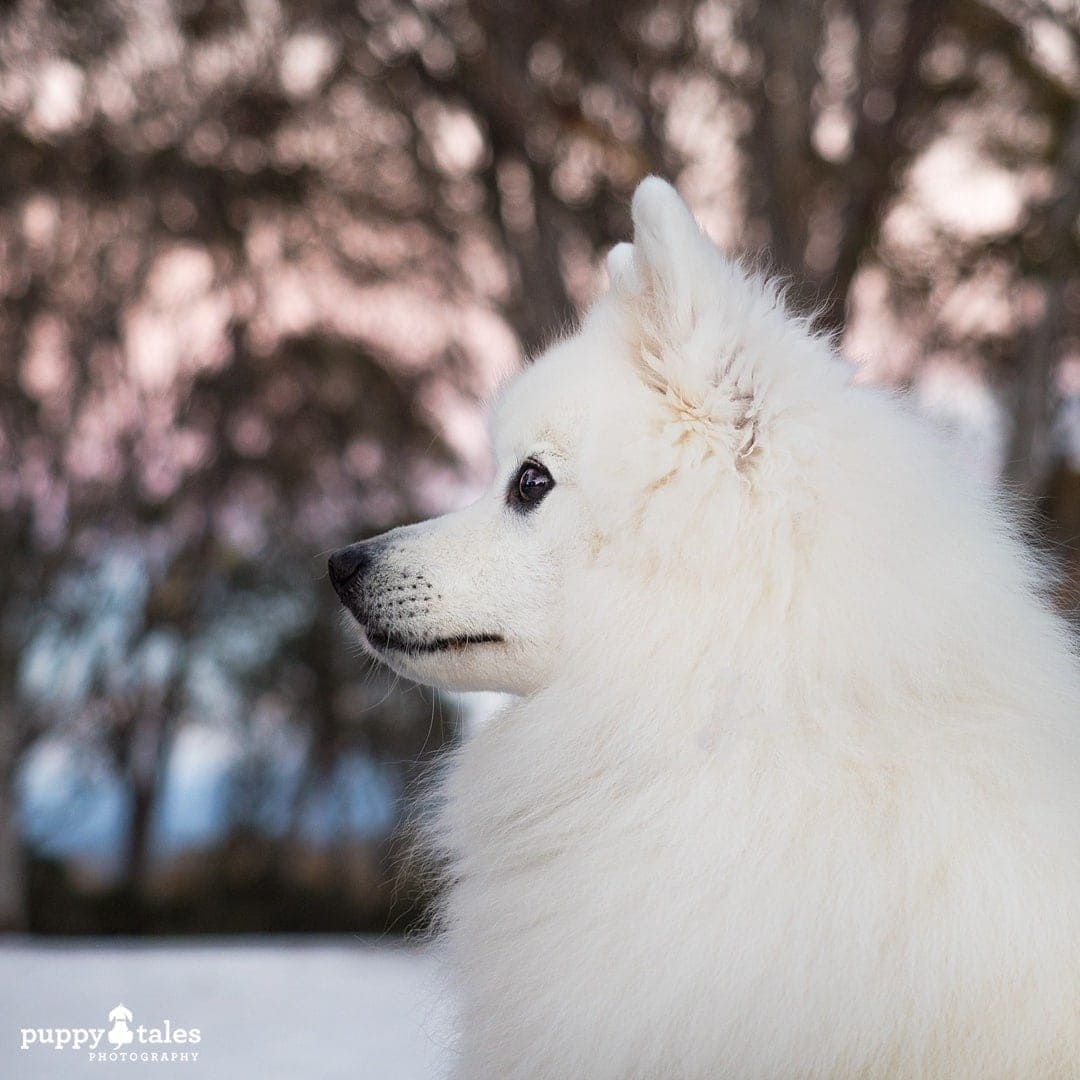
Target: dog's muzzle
(397,621)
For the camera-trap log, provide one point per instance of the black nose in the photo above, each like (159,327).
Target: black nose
(348,563)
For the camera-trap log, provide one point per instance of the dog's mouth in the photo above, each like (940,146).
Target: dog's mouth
(384,642)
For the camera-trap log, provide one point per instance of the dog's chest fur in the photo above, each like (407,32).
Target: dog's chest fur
(745,910)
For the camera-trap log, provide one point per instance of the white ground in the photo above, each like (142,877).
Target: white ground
(267,1009)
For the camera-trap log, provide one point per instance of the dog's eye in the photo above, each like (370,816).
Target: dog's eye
(530,485)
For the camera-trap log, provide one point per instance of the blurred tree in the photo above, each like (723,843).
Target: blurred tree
(191,413)
(260,260)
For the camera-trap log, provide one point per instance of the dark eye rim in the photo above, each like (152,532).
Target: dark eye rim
(515,496)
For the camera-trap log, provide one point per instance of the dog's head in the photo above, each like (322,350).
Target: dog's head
(475,599)
(595,446)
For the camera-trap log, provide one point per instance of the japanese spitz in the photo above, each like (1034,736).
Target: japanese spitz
(790,785)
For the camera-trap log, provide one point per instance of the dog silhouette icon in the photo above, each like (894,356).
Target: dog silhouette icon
(120,1034)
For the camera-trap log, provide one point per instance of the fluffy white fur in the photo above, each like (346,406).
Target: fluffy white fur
(791,787)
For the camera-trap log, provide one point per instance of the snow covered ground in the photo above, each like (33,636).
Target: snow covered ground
(268,1009)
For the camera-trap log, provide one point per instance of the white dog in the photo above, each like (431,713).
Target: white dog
(791,786)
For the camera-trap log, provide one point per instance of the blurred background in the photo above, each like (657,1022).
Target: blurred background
(261,264)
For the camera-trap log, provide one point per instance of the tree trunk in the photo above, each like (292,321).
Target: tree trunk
(1029,463)
(12,857)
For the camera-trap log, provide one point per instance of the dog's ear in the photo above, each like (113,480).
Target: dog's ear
(620,268)
(663,282)
(686,310)
(669,252)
